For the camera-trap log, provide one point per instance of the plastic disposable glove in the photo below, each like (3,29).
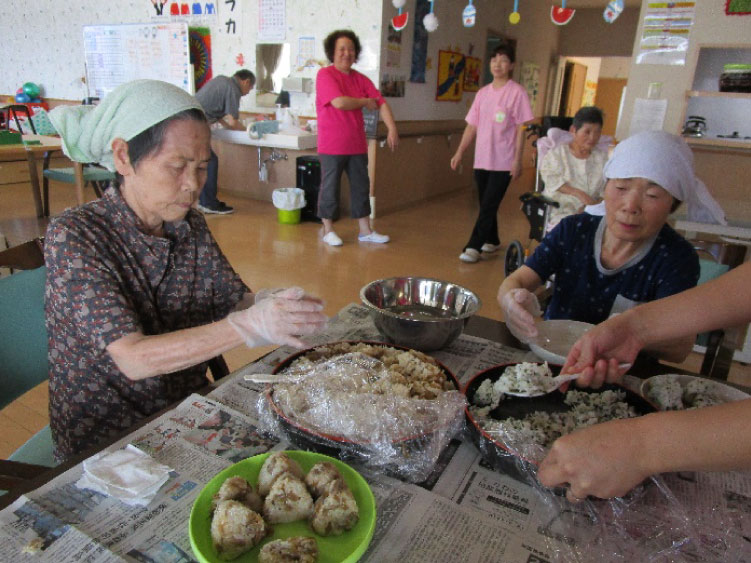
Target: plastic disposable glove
(262,294)
(280,318)
(520,307)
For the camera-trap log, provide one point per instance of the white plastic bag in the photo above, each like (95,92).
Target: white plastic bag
(288,198)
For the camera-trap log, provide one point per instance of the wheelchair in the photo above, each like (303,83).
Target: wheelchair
(535,206)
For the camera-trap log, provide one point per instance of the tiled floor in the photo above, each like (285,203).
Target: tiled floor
(426,240)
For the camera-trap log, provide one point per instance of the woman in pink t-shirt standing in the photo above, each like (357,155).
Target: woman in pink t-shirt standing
(341,93)
(495,118)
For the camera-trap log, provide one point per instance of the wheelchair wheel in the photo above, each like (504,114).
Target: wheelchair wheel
(514,257)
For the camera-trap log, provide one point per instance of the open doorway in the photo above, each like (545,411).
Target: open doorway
(586,81)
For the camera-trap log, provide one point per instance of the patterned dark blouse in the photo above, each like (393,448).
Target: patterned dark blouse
(107,279)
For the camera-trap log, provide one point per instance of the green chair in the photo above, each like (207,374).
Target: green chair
(23,353)
(98,177)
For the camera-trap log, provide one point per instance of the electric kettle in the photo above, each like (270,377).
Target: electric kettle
(695,126)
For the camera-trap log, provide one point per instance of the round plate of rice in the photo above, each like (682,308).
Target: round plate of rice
(555,339)
(514,434)
(673,391)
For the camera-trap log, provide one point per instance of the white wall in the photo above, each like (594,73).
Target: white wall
(711,27)
(43,40)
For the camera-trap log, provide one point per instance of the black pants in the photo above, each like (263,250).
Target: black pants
(491,187)
(208,193)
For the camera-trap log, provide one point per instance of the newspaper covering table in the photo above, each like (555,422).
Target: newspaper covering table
(465,511)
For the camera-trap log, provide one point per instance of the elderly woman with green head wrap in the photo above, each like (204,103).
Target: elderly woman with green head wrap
(139,296)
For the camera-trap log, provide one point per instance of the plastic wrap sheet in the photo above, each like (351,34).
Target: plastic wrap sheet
(393,415)
(670,518)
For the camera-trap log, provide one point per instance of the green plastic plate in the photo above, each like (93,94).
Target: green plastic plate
(348,547)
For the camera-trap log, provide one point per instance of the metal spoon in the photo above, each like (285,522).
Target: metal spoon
(550,384)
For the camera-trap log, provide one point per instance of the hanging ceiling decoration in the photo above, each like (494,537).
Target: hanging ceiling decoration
(561,15)
(399,21)
(430,21)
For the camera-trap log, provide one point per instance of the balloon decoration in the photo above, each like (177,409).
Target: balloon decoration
(399,21)
(514,17)
(430,21)
(469,15)
(28,94)
(562,15)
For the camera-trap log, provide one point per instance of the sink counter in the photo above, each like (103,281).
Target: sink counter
(293,141)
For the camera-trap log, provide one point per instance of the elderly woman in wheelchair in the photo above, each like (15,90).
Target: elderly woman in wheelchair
(604,265)
(571,165)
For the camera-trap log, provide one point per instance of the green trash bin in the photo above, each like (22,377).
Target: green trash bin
(289,203)
(288,216)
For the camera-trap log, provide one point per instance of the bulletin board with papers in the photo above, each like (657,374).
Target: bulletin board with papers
(115,54)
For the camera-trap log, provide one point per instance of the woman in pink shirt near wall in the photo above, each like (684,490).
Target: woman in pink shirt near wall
(494,118)
(341,93)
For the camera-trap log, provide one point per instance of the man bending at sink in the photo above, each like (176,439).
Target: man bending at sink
(220,100)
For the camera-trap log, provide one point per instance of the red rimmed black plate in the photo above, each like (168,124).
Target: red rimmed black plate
(495,452)
(338,446)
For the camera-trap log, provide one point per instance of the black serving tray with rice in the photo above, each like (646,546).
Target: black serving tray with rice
(337,446)
(494,451)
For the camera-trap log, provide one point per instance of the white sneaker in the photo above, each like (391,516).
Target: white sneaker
(374,237)
(332,239)
(487,247)
(469,255)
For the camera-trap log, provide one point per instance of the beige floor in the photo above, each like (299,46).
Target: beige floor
(426,240)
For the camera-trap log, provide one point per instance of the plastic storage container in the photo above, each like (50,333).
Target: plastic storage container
(736,78)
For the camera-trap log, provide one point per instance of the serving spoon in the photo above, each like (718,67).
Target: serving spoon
(543,385)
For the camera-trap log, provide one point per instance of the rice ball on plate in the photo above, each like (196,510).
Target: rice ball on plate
(298,549)
(335,510)
(237,488)
(274,466)
(287,501)
(320,475)
(235,529)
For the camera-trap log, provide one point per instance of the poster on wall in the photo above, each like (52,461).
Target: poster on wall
(665,33)
(272,20)
(199,41)
(451,67)
(392,85)
(306,52)
(393,49)
(472,74)
(530,80)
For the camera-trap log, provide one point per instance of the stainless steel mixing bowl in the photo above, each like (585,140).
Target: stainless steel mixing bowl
(420,313)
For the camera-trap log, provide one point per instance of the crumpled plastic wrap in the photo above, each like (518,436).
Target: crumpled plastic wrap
(677,517)
(389,414)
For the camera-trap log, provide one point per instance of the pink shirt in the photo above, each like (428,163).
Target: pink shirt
(342,131)
(497,114)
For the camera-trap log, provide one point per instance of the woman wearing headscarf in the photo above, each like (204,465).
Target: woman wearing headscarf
(607,265)
(139,296)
